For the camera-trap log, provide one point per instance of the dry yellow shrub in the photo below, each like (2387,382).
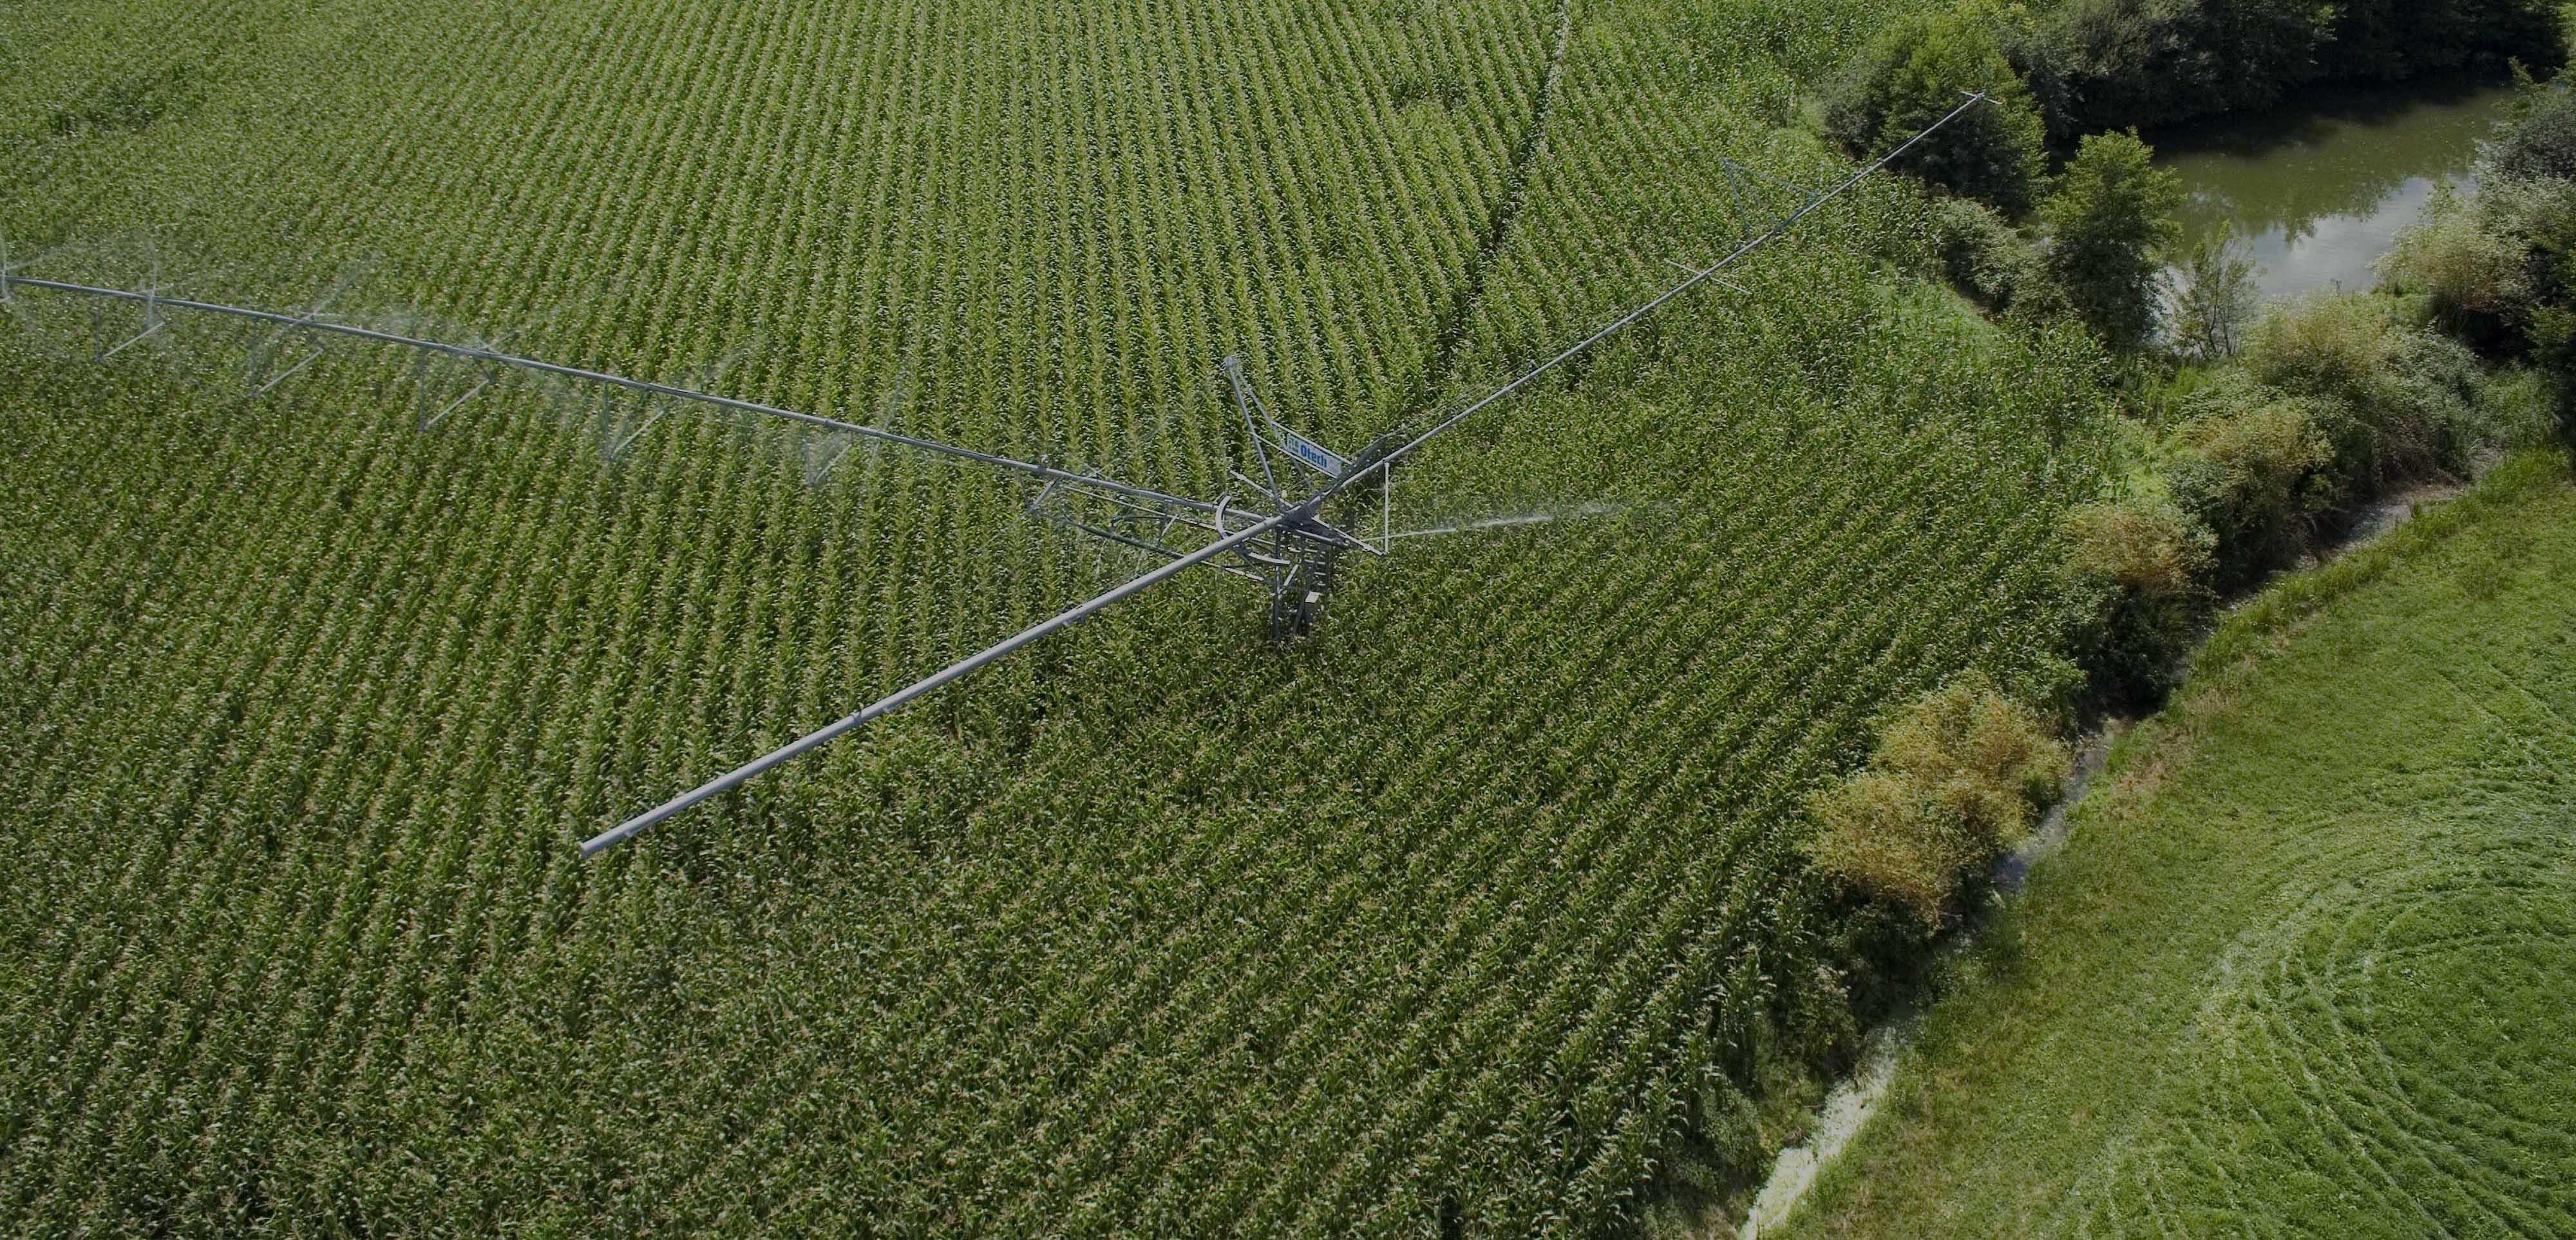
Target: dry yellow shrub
(1955,780)
(2154,550)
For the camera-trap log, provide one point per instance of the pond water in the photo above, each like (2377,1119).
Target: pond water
(2319,187)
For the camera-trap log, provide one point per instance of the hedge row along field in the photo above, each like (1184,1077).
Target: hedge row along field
(1460,914)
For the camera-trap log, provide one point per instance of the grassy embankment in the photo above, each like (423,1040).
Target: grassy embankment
(2304,967)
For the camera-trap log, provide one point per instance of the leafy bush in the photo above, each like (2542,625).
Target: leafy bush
(2149,547)
(1913,74)
(2325,346)
(2553,335)
(2149,560)
(2540,140)
(2472,273)
(1956,778)
(2214,298)
(2110,221)
(1982,256)
(2539,218)
(2488,264)
(2253,466)
(2498,270)
(2520,406)
(2397,400)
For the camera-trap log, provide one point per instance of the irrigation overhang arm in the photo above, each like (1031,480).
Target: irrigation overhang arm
(493,357)
(956,671)
(1305,512)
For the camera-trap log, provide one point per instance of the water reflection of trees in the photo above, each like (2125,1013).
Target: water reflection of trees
(2328,154)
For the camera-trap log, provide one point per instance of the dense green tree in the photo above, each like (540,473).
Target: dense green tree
(2540,140)
(2252,465)
(2396,399)
(2499,269)
(2148,562)
(2148,62)
(2527,208)
(2551,328)
(2110,222)
(1917,71)
(2113,63)
(2392,39)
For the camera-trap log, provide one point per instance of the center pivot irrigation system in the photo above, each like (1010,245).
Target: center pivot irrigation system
(1278,537)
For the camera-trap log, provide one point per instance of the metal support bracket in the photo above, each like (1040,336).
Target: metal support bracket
(815,472)
(286,374)
(1688,270)
(1245,402)
(266,349)
(152,321)
(420,378)
(656,405)
(611,444)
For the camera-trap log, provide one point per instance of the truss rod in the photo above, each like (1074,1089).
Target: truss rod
(478,353)
(950,674)
(1157,549)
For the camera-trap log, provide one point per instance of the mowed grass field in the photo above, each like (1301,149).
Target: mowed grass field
(1458,915)
(2304,967)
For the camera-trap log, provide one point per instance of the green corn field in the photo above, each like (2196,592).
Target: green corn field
(1458,915)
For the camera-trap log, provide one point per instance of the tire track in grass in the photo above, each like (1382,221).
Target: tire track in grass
(2345,1045)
